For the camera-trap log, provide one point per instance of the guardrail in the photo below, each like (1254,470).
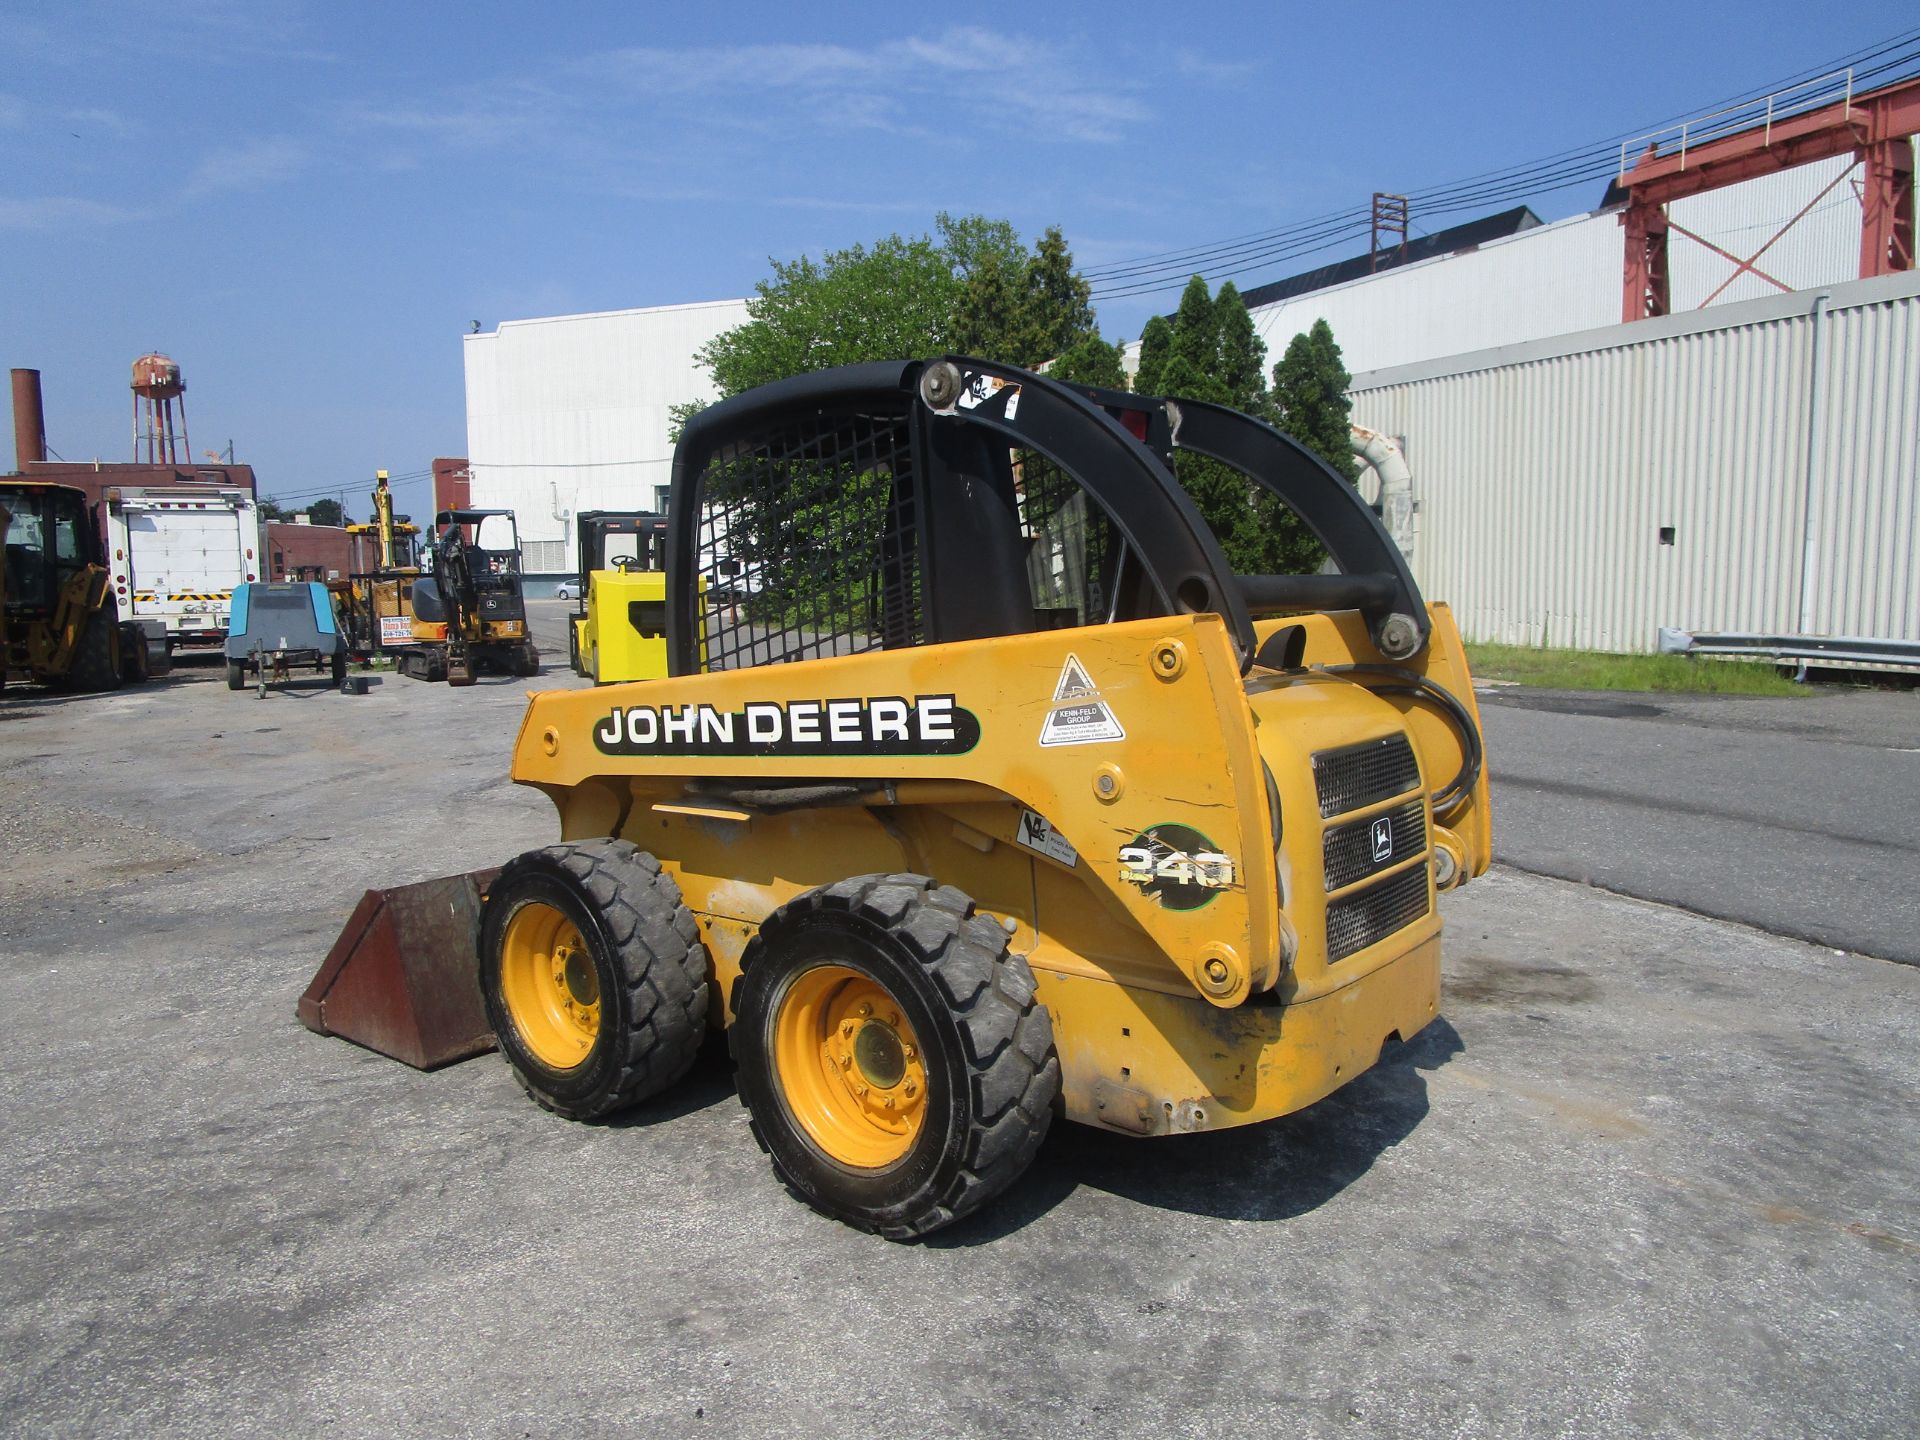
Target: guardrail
(1747,115)
(1836,650)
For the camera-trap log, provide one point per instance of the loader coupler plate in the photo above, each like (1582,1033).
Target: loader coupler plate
(402,978)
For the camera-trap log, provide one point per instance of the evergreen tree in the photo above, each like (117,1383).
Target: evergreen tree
(1310,398)
(1091,361)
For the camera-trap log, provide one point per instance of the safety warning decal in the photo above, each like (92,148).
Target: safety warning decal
(1078,715)
(982,388)
(1037,834)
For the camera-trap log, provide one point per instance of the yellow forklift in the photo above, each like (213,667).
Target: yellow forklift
(992,797)
(60,624)
(619,627)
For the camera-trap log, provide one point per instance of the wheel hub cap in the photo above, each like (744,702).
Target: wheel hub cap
(878,1051)
(849,1066)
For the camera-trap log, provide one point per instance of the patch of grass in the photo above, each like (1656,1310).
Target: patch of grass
(1592,670)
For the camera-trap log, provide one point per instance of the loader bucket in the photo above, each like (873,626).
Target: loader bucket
(401,979)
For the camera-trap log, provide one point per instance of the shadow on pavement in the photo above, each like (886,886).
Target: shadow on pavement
(1272,1171)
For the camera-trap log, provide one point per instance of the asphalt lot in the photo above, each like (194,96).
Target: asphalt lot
(1651,1174)
(1799,815)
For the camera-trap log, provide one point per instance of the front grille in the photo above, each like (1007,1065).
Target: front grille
(1358,921)
(1364,774)
(1358,848)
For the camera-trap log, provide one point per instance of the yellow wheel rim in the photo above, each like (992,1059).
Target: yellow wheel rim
(550,986)
(850,1066)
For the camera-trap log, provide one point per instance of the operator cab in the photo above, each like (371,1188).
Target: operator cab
(49,539)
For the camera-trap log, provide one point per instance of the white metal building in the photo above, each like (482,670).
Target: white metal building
(571,413)
(1751,467)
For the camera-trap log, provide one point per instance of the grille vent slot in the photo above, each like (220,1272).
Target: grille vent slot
(1365,774)
(1349,849)
(1357,921)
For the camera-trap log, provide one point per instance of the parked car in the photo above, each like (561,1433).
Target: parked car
(567,590)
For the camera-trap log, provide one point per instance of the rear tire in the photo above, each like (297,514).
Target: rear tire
(95,665)
(895,1064)
(594,976)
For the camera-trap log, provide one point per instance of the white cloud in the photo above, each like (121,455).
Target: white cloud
(964,81)
(59,212)
(250,165)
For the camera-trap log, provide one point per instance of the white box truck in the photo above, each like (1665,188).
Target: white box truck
(176,554)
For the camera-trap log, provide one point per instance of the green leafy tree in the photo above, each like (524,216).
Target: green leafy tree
(1310,398)
(895,299)
(327,512)
(270,510)
(976,290)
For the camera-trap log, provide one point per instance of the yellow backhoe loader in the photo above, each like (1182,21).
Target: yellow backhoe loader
(993,796)
(60,625)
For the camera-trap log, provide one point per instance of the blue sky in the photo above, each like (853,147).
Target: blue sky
(308,204)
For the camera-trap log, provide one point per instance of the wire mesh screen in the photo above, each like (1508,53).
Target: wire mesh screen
(808,543)
(1072,556)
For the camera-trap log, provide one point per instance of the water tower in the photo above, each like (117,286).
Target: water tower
(157,388)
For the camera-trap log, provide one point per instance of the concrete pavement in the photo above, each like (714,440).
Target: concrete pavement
(1651,1173)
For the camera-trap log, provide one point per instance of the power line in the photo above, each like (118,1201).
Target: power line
(1896,55)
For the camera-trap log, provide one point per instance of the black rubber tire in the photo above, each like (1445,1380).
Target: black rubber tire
(339,668)
(526,658)
(648,958)
(134,667)
(993,1077)
(95,666)
(236,675)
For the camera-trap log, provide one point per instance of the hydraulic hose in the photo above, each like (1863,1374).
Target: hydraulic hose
(1407,682)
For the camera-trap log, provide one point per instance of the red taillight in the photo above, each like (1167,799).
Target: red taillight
(249,553)
(249,574)
(119,554)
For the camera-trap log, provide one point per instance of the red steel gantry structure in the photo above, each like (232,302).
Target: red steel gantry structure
(1874,128)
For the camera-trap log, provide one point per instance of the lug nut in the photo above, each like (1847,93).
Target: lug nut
(1217,970)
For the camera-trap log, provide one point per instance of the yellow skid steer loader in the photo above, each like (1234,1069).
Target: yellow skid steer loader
(992,796)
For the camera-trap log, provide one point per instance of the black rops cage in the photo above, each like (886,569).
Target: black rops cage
(911,503)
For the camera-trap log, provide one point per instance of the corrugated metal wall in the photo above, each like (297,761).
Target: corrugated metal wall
(1587,490)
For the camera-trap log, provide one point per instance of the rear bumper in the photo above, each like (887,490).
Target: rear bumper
(1153,1064)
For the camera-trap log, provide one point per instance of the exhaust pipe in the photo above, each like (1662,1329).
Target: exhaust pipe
(29,420)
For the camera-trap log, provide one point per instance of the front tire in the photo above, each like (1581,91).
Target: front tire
(236,675)
(339,668)
(894,1062)
(594,976)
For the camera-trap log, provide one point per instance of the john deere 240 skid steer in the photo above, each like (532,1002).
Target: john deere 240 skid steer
(991,796)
